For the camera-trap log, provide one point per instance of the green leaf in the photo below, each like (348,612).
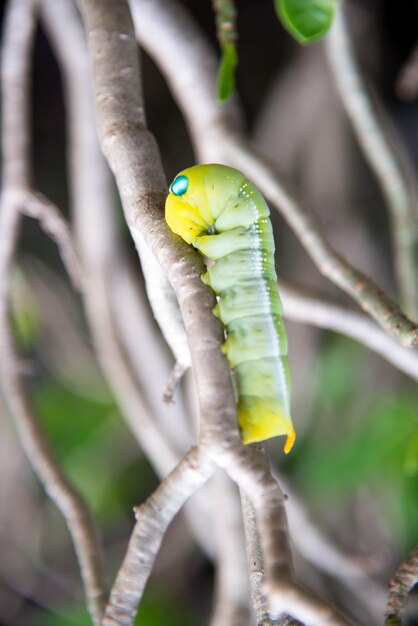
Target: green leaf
(226,74)
(306,20)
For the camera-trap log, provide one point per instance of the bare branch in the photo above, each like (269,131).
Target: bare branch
(400,586)
(166,311)
(55,225)
(16,50)
(15,69)
(249,468)
(288,603)
(170,37)
(381,156)
(256,568)
(175,377)
(231,598)
(153,518)
(314,310)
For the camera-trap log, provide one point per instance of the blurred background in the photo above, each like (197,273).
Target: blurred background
(355,463)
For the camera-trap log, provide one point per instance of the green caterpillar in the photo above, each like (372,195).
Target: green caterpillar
(224,216)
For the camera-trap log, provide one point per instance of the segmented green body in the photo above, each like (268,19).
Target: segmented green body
(224,216)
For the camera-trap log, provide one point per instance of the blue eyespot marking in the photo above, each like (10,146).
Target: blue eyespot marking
(179,186)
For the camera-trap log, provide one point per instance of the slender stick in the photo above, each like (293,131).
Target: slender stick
(153,518)
(231,598)
(54,224)
(256,569)
(16,50)
(183,55)
(400,586)
(314,310)
(382,158)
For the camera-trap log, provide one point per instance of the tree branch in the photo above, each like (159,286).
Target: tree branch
(184,57)
(231,601)
(381,156)
(54,224)
(400,586)
(153,518)
(314,310)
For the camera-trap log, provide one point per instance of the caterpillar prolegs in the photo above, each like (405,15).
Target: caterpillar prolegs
(224,216)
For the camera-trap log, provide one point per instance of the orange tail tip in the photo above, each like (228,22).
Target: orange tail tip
(290,441)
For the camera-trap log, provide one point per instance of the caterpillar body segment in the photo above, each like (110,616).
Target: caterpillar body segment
(224,216)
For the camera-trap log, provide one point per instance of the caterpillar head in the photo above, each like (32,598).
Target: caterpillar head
(198,196)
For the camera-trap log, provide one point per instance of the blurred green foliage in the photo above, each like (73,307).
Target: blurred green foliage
(156,609)
(361,439)
(95,449)
(25,316)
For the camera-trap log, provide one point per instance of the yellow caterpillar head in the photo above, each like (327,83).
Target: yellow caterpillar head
(197,196)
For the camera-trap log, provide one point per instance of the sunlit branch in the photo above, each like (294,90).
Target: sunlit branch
(381,156)
(188,63)
(16,51)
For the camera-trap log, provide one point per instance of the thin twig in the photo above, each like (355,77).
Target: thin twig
(164,305)
(153,518)
(16,51)
(315,310)
(381,156)
(256,569)
(188,63)
(249,468)
(54,224)
(231,597)
(400,586)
